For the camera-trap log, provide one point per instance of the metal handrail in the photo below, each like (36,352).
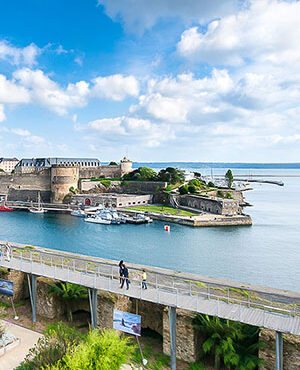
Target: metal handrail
(36,256)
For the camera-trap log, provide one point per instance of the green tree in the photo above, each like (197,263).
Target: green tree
(69,293)
(211,184)
(183,189)
(100,351)
(229,178)
(113,163)
(142,173)
(171,174)
(192,189)
(195,182)
(220,336)
(229,196)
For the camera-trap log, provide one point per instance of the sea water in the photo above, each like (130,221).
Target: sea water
(266,253)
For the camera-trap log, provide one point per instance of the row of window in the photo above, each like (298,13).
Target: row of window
(85,164)
(129,203)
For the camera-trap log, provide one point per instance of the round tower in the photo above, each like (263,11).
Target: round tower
(125,166)
(62,178)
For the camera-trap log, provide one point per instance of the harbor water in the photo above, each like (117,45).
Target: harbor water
(267,253)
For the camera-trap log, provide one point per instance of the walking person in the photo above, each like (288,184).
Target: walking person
(121,271)
(125,277)
(144,280)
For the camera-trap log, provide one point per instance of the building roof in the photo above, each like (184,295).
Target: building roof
(48,162)
(8,159)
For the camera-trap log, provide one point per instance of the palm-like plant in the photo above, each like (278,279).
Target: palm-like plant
(220,338)
(69,293)
(248,348)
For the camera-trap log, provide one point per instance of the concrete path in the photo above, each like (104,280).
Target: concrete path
(16,355)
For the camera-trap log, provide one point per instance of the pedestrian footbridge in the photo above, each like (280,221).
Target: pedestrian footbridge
(274,309)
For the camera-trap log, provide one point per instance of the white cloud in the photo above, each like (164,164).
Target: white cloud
(143,14)
(268,31)
(20,132)
(35,140)
(116,87)
(10,92)
(48,93)
(2,114)
(15,55)
(129,130)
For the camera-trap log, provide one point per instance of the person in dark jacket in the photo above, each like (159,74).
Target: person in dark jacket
(121,270)
(125,277)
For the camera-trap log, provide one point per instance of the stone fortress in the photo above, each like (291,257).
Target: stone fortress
(53,177)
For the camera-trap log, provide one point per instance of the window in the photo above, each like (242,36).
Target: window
(129,203)
(133,202)
(139,202)
(120,204)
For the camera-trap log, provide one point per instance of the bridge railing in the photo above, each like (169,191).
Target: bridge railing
(279,302)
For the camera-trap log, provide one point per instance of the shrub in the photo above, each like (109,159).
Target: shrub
(183,189)
(72,190)
(229,196)
(211,184)
(51,347)
(113,163)
(192,189)
(195,182)
(105,183)
(220,194)
(101,351)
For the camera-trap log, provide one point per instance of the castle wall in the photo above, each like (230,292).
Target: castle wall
(209,205)
(25,187)
(62,178)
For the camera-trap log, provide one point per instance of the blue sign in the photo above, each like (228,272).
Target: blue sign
(127,322)
(6,287)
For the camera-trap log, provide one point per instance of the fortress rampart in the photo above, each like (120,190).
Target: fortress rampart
(54,182)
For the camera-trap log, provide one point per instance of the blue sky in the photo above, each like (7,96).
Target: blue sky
(164,80)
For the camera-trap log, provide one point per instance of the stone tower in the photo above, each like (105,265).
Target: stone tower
(62,178)
(125,166)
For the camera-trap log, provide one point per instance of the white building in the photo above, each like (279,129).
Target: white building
(8,164)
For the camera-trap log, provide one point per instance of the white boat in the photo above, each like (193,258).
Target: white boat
(97,220)
(78,213)
(39,209)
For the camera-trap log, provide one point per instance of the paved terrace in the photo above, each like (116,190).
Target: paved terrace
(266,307)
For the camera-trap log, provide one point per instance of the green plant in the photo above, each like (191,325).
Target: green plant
(195,182)
(105,183)
(113,163)
(192,189)
(229,178)
(220,336)
(229,196)
(211,184)
(51,347)
(101,351)
(220,194)
(183,189)
(69,293)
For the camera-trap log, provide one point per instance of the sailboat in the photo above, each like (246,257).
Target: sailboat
(39,209)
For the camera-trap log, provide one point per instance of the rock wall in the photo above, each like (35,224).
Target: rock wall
(291,350)
(47,305)
(187,339)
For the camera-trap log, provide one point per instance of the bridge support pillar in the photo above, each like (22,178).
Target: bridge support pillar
(93,298)
(172,323)
(32,292)
(279,351)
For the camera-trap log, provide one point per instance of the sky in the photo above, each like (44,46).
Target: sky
(157,80)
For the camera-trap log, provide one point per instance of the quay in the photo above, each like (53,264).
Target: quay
(198,220)
(270,308)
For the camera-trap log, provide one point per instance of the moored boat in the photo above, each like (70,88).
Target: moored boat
(78,213)
(39,209)
(97,220)
(3,208)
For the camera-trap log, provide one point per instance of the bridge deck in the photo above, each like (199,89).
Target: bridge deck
(270,308)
